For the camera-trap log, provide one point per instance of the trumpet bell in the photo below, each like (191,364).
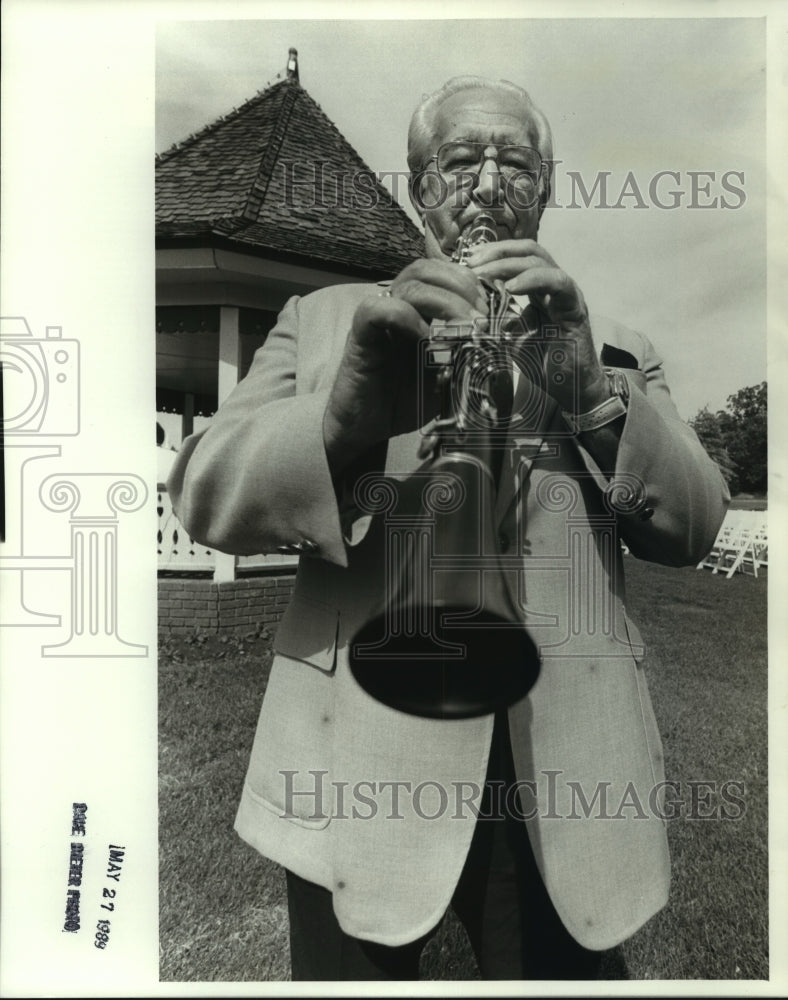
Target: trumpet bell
(447,642)
(456,671)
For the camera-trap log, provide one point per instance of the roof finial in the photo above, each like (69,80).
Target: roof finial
(292,65)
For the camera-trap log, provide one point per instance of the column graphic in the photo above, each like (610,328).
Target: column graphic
(94,501)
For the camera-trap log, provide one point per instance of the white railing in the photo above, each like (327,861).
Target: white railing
(180,553)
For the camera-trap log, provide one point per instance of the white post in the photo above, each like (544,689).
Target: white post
(229,351)
(229,370)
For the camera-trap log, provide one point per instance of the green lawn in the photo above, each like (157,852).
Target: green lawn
(223,907)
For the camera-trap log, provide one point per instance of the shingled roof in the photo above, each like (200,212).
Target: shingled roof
(276,178)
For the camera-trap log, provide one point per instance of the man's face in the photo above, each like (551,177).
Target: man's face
(487,116)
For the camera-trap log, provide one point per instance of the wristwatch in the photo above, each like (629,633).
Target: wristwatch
(607,411)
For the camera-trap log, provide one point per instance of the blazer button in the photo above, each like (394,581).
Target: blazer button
(646,514)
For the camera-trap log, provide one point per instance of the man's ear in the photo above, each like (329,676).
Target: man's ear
(544,198)
(414,193)
(427,191)
(545,189)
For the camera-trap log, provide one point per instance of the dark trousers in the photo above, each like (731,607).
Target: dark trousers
(501,900)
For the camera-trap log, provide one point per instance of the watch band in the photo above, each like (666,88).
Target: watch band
(607,411)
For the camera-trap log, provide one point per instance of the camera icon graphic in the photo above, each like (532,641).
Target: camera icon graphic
(40,380)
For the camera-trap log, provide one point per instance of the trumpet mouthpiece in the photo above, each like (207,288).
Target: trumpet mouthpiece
(478,231)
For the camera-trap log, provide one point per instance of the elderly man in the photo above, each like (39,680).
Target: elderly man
(373,811)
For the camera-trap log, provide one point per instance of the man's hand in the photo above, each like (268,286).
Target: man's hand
(528,269)
(375,391)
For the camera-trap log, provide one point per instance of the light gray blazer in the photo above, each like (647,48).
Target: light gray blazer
(586,747)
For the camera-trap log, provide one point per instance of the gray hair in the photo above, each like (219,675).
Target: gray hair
(421,133)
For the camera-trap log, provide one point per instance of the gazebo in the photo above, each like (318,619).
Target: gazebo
(267,202)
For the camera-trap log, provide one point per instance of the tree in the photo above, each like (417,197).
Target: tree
(707,426)
(744,428)
(736,438)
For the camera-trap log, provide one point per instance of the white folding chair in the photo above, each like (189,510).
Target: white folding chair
(740,544)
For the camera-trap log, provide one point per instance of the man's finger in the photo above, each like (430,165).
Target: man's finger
(507,267)
(417,278)
(438,303)
(388,315)
(485,253)
(548,283)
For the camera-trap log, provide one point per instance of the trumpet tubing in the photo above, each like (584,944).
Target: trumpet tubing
(446,640)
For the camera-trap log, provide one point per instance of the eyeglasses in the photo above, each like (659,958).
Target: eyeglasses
(461,162)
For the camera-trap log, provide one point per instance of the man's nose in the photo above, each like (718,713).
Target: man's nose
(489,189)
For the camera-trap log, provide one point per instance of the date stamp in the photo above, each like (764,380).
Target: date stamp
(115,859)
(102,934)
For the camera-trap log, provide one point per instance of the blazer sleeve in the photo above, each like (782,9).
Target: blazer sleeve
(258,479)
(669,496)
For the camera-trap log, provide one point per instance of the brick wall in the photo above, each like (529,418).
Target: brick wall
(186,604)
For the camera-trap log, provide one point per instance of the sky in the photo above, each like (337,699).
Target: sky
(627,97)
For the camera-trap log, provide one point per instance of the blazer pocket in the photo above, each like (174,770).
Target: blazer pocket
(308,632)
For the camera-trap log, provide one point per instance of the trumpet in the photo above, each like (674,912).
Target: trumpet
(446,641)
